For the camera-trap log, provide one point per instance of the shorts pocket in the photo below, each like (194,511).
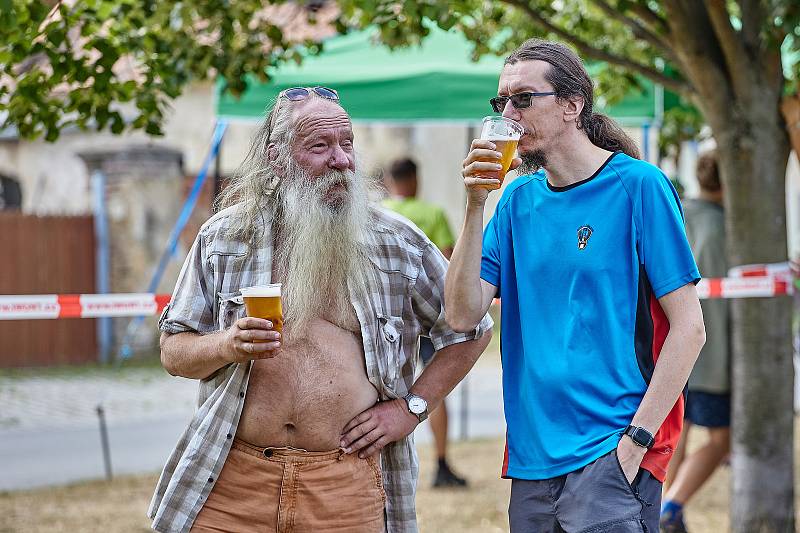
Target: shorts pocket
(631,486)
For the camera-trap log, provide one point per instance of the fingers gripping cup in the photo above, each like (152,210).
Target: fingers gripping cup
(504,133)
(264,301)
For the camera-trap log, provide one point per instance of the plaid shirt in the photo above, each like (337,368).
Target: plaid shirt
(404,300)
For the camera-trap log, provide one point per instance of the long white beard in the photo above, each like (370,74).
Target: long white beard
(322,234)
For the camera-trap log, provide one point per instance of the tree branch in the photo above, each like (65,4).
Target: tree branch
(701,58)
(753,16)
(679,86)
(736,55)
(640,31)
(649,16)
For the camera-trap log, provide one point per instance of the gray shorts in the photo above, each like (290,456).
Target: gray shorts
(595,498)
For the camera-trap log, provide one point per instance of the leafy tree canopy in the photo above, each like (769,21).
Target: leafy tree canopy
(118,64)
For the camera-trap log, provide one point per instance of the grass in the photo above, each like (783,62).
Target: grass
(120,505)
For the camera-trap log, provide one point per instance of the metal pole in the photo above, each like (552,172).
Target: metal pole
(104,441)
(646,141)
(217,175)
(105,332)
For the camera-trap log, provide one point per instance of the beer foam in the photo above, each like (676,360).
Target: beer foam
(495,138)
(262,291)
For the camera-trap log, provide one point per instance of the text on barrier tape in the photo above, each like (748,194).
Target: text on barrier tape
(25,307)
(744,287)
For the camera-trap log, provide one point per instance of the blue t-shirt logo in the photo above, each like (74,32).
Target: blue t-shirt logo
(584,232)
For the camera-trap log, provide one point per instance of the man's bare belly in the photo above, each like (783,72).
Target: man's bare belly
(306,395)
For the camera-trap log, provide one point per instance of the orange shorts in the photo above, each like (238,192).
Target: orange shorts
(287,490)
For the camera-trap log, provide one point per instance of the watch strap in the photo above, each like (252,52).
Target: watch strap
(640,436)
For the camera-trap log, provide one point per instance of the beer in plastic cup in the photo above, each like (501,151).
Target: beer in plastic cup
(505,134)
(264,301)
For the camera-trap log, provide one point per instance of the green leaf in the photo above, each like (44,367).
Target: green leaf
(117,123)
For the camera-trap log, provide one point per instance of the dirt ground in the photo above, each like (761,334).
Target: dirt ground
(120,506)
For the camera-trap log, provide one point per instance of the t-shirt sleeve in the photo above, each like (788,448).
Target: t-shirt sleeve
(490,257)
(662,245)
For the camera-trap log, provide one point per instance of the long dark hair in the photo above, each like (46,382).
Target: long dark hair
(569,79)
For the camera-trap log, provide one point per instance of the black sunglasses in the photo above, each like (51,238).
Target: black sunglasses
(519,100)
(295,94)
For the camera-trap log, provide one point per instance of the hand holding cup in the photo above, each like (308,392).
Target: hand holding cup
(258,335)
(491,157)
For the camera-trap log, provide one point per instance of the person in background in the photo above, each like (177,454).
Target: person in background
(709,398)
(401,182)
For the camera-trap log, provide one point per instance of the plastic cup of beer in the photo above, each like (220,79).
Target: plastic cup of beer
(264,301)
(505,134)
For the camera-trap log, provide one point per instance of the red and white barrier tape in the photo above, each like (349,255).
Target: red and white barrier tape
(42,306)
(23,307)
(744,287)
(775,270)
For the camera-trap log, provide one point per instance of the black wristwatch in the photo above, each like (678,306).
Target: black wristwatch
(640,436)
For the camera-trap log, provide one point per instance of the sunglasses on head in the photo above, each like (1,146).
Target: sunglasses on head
(519,100)
(296,94)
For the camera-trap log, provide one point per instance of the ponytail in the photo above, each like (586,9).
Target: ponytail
(608,135)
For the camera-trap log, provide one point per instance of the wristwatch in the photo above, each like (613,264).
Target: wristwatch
(417,406)
(640,436)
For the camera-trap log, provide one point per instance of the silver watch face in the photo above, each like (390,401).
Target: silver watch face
(417,405)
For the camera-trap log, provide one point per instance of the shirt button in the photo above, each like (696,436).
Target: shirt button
(211,480)
(229,436)
(268,453)
(241,395)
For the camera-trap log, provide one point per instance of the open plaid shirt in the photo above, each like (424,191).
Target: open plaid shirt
(405,299)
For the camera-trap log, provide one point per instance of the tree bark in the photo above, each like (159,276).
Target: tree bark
(790,106)
(753,150)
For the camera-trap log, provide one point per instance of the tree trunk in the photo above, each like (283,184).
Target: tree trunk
(753,148)
(791,114)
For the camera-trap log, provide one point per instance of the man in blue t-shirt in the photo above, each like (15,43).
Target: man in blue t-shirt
(600,320)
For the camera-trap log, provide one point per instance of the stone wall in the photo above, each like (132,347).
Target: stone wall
(143,198)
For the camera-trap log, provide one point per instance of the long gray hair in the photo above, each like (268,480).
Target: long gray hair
(569,79)
(253,184)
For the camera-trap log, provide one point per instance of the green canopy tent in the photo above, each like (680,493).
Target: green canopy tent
(435,81)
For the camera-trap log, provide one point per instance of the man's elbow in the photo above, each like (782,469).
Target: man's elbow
(700,334)
(167,361)
(695,333)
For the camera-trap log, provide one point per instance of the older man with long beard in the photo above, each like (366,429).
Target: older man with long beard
(289,426)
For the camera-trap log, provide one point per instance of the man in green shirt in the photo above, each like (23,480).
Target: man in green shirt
(401,182)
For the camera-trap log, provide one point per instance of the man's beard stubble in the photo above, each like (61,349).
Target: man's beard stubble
(321,227)
(532,161)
